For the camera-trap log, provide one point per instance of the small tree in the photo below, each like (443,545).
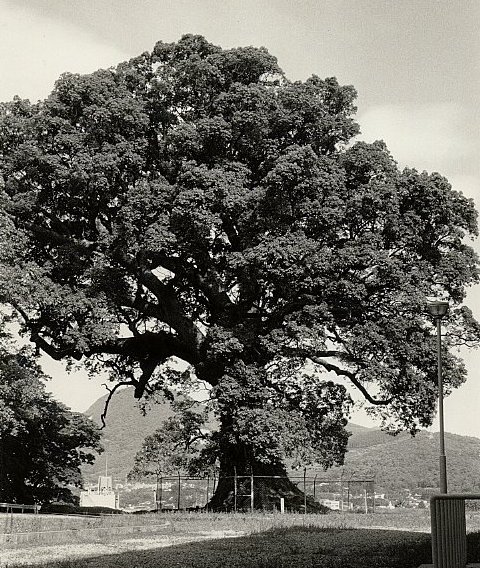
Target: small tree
(175,447)
(42,443)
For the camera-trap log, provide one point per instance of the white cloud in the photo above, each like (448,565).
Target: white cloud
(35,50)
(75,389)
(469,185)
(434,137)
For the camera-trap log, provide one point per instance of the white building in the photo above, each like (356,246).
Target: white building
(100,495)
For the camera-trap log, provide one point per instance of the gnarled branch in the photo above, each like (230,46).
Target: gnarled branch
(111,392)
(352,377)
(159,345)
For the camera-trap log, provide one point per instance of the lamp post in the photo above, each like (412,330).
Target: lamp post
(438,309)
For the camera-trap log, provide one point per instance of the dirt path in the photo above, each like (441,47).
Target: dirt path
(42,555)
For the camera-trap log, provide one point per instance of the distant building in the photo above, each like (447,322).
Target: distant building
(331,504)
(100,495)
(104,484)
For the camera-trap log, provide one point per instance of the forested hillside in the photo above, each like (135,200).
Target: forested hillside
(405,462)
(126,427)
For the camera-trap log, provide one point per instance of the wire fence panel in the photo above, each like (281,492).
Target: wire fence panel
(348,495)
(18,508)
(184,493)
(244,486)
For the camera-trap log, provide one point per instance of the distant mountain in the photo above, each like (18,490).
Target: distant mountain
(126,427)
(365,437)
(396,462)
(403,461)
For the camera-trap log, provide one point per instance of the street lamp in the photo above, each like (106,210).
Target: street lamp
(438,309)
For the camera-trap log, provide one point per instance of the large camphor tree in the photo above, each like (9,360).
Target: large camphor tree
(194,205)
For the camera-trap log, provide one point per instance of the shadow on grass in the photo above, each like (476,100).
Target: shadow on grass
(293,547)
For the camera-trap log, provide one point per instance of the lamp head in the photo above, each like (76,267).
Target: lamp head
(437,308)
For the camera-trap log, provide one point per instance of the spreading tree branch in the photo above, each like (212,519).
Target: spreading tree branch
(111,392)
(160,345)
(148,366)
(207,281)
(353,378)
(41,343)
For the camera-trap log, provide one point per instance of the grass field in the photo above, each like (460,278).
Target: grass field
(391,540)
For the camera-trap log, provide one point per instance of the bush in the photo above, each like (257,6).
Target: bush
(70,509)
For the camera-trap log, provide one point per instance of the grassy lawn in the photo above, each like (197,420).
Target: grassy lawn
(293,547)
(399,518)
(268,541)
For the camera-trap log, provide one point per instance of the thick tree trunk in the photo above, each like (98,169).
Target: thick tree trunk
(270,484)
(4,482)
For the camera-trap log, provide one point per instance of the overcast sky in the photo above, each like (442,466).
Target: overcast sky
(414,63)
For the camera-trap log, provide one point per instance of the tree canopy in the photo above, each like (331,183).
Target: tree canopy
(175,447)
(194,204)
(42,443)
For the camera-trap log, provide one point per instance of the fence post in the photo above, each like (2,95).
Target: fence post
(251,493)
(348,495)
(341,493)
(179,490)
(366,502)
(161,494)
(208,492)
(373,497)
(235,489)
(305,489)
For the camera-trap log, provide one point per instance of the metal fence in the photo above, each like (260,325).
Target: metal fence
(348,495)
(184,493)
(18,508)
(193,493)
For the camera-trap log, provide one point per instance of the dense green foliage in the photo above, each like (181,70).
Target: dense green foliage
(71,509)
(194,204)
(42,443)
(174,447)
